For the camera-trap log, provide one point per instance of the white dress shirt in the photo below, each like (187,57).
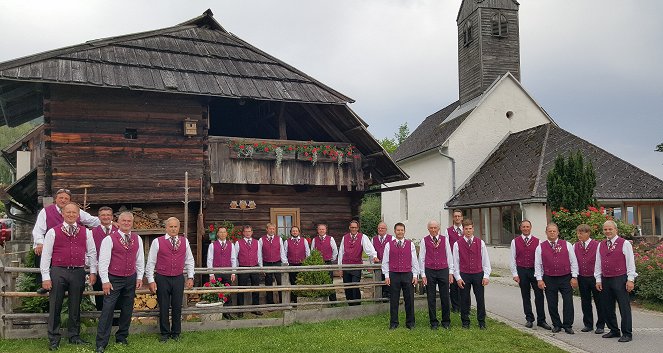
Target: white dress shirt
(47,254)
(365,243)
(39,230)
(210,254)
(422,256)
(332,243)
(627,250)
(282,251)
(237,248)
(459,230)
(538,261)
(152,258)
(514,267)
(306,246)
(485,260)
(385,259)
(105,252)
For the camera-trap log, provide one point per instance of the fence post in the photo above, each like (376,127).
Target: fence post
(377,276)
(285,280)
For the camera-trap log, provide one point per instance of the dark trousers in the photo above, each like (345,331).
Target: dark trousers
(269,280)
(293,281)
(170,294)
(587,287)
(122,295)
(63,280)
(244,279)
(401,281)
(472,282)
(332,297)
(614,290)
(353,276)
(98,299)
(37,264)
(454,296)
(527,284)
(386,291)
(559,285)
(435,278)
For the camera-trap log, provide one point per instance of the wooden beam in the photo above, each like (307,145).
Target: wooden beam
(358,127)
(283,134)
(393,188)
(324,123)
(17,93)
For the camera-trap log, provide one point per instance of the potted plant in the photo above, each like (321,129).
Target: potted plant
(213,299)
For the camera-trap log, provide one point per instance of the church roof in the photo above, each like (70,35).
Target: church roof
(517,171)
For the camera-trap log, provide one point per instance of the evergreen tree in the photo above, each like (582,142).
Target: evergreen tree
(571,183)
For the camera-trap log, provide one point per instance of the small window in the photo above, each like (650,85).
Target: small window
(130,134)
(499,25)
(284,219)
(467,33)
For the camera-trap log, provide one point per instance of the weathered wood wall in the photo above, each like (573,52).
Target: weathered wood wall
(85,145)
(499,54)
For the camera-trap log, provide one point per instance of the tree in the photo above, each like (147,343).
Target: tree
(571,183)
(7,137)
(388,144)
(659,148)
(402,134)
(391,144)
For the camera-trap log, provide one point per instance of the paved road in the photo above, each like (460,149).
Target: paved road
(503,303)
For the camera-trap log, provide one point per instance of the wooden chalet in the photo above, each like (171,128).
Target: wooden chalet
(125,117)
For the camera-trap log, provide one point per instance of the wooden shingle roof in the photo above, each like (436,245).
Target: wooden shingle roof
(195,57)
(517,171)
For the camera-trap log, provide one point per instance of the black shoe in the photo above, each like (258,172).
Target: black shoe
(611,334)
(409,327)
(556,329)
(393,326)
(53,346)
(77,340)
(228,316)
(99,350)
(599,331)
(569,330)
(124,342)
(586,329)
(466,326)
(446,326)
(175,338)
(434,327)
(257,313)
(625,339)
(163,339)
(482,326)
(544,325)
(42,291)
(529,324)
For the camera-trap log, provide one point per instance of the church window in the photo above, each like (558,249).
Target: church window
(499,25)
(467,33)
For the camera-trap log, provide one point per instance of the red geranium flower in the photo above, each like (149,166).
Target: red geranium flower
(241,147)
(206,284)
(266,149)
(255,145)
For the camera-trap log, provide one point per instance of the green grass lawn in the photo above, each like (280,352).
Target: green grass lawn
(368,334)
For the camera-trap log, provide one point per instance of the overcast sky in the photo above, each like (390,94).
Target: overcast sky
(591,64)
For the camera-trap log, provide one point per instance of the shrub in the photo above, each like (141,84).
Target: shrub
(567,222)
(313,278)
(649,265)
(27,282)
(570,183)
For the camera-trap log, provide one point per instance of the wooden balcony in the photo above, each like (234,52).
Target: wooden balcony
(284,162)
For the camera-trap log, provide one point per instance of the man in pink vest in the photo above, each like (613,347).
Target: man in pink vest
(455,232)
(170,255)
(297,250)
(121,269)
(220,254)
(99,233)
(436,269)
(326,245)
(350,253)
(248,253)
(556,271)
(523,248)
(471,269)
(66,249)
(379,242)
(615,275)
(400,268)
(51,216)
(272,255)
(585,250)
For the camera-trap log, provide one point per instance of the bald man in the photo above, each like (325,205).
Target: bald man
(436,268)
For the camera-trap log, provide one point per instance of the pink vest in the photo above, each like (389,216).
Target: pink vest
(170,262)
(453,236)
(613,262)
(525,253)
(400,259)
(271,252)
(324,246)
(248,255)
(222,255)
(123,260)
(469,256)
(352,250)
(557,262)
(54,217)
(586,258)
(296,251)
(69,251)
(98,234)
(436,258)
(379,247)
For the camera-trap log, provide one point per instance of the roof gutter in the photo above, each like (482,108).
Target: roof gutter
(453,170)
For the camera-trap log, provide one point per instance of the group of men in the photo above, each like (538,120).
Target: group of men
(603,271)
(114,254)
